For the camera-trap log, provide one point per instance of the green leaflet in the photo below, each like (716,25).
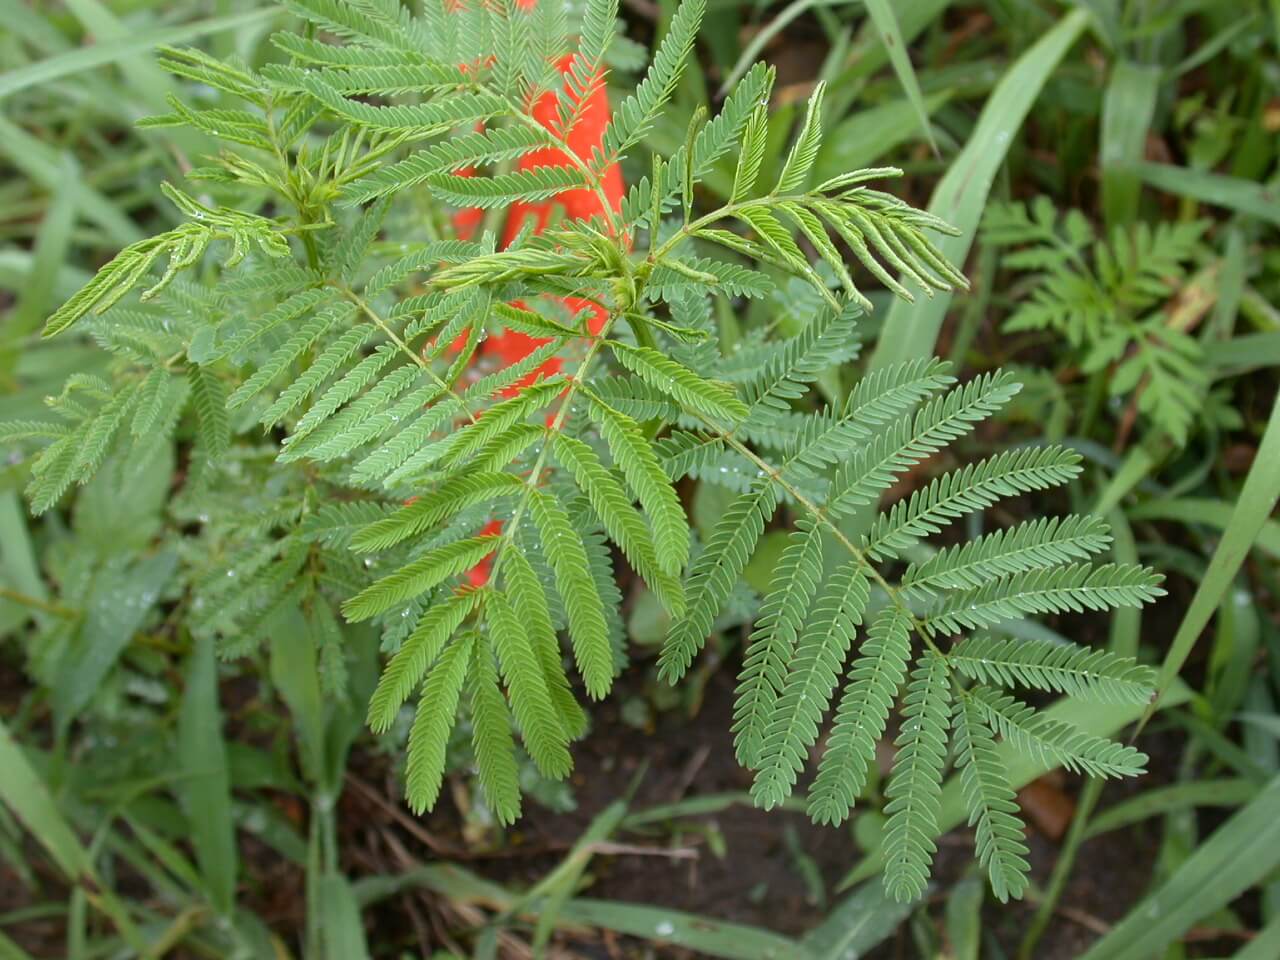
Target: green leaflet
(430,570)
(568,557)
(873,683)
(915,788)
(468,512)
(1063,668)
(634,456)
(713,575)
(540,727)
(990,800)
(491,738)
(772,644)
(431,725)
(416,655)
(815,667)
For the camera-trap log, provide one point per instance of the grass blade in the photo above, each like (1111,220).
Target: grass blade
(886,24)
(26,795)
(1127,108)
(864,919)
(911,330)
(100,54)
(706,936)
(206,788)
(340,925)
(1240,853)
(1257,500)
(1243,196)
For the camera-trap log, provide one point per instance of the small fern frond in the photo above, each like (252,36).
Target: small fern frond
(419,651)
(827,341)
(636,114)
(773,642)
(417,577)
(861,480)
(635,457)
(811,677)
(1054,742)
(990,801)
(431,509)
(437,711)
(873,684)
(805,150)
(709,398)
(583,605)
(750,153)
(544,736)
(712,576)
(448,156)
(677,274)
(504,189)
(1036,544)
(1057,667)
(209,398)
(529,596)
(973,488)
(915,786)
(1073,588)
(491,739)
(331,360)
(625,525)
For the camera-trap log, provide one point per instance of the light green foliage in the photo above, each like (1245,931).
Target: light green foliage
(467,515)
(990,801)
(1107,298)
(915,787)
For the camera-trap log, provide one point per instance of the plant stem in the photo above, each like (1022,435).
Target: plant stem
(44,606)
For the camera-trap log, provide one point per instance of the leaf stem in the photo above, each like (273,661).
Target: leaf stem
(775,476)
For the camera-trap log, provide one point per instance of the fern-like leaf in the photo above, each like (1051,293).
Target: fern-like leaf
(713,575)
(708,398)
(529,597)
(454,495)
(873,683)
(637,113)
(543,734)
(419,651)
(624,524)
(1073,588)
(861,480)
(491,739)
(1047,542)
(991,805)
(429,735)
(805,150)
(430,570)
(815,668)
(1054,742)
(915,787)
(635,457)
(973,488)
(588,632)
(773,642)
(1058,667)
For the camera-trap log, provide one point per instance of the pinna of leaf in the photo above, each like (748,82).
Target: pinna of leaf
(541,470)
(584,138)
